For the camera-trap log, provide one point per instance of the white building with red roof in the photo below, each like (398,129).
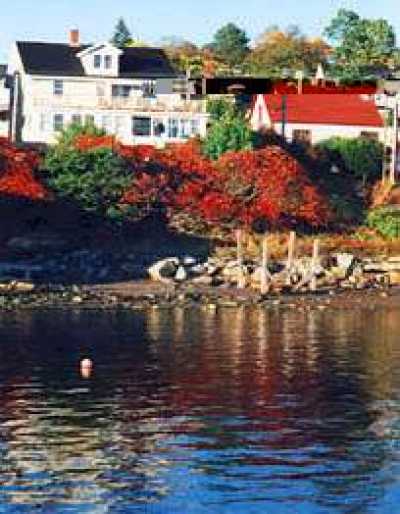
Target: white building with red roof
(313,118)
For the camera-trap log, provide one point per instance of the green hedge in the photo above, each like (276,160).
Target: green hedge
(386,221)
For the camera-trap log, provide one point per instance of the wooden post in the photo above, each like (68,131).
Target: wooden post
(393,163)
(314,262)
(239,246)
(239,252)
(290,258)
(264,266)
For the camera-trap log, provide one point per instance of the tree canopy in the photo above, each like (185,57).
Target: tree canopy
(230,44)
(361,45)
(122,36)
(285,51)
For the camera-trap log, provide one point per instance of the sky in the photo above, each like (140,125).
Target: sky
(50,20)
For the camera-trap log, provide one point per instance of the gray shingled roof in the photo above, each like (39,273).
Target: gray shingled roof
(61,60)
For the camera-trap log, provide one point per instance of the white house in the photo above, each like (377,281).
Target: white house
(313,118)
(4,102)
(131,92)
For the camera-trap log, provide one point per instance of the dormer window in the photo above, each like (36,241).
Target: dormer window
(97,61)
(101,59)
(108,62)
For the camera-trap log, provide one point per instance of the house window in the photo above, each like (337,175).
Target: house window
(89,119)
(119,90)
(58,122)
(195,127)
(141,126)
(158,127)
(58,87)
(97,61)
(173,127)
(302,136)
(185,129)
(108,62)
(76,119)
(149,88)
(370,135)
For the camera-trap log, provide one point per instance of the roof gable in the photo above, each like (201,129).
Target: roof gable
(327,109)
(108,47)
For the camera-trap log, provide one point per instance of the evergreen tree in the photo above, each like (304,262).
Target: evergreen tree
(230,44)
(122,36)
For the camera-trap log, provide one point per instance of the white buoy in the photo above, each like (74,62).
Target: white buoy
(86,368)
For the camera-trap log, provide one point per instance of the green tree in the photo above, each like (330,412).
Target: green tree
(95,179)
(361,157)
(229,132)
(361,45)
(122,36)
(231,44)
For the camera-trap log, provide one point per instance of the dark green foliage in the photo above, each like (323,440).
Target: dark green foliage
(122,36)
(94,179)
(229,132)
(362,45)
(361,157)
(230,44)
(218,107)
(386,221)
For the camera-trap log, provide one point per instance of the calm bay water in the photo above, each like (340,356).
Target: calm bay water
(239,411)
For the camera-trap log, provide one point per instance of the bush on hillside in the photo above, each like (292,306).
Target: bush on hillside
(386,221)
(95,179)
(360,157)
(18,173)
(230,132)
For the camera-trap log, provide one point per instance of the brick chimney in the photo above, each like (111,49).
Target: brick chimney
(74,39)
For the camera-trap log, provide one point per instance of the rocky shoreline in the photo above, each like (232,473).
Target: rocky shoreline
(121,280)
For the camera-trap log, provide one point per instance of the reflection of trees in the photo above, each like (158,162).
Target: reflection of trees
(280,397)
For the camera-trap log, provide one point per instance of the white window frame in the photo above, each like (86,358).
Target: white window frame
(108,62)
(76,119)
(58,87)
(97,61)
(57,125)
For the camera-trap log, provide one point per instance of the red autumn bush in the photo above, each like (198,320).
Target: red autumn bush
(159,176)
(87,142)
(240,188)
(17,172)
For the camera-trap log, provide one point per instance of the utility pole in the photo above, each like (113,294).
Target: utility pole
(395,131)
(284,115)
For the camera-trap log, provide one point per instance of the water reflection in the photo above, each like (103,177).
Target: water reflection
(239,410)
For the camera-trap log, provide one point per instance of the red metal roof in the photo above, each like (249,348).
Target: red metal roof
(326,109)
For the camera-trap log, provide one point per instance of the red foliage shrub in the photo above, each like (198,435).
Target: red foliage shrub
(240,188)
(17,167)
(161,175)
(86,142)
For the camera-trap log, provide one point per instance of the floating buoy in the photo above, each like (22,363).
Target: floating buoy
(86,368)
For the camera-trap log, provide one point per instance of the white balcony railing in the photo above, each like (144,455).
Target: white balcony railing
(163,103)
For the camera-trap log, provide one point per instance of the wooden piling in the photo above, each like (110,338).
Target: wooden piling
(290,257)
(314,263)
(264,267)
(239,253)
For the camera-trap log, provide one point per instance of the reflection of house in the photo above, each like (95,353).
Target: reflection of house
(315,117)
(4,102)
(133,93)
